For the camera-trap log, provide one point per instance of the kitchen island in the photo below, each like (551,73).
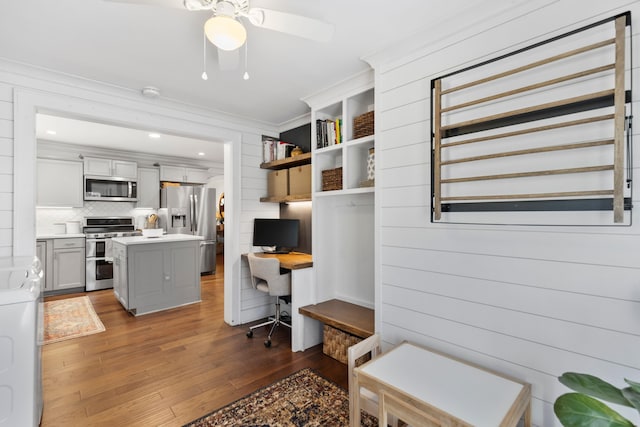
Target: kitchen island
(156,273)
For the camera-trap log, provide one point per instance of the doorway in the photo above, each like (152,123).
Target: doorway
(27,104)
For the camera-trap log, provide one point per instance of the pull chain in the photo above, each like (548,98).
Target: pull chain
(246,73)
(204,56)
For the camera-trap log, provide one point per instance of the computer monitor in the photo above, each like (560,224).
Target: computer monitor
(276,235)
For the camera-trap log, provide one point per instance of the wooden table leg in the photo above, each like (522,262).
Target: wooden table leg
(354,403)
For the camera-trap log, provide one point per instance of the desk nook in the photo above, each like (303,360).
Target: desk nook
(305,332)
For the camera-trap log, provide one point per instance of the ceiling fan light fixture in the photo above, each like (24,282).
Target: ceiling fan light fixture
(225,32)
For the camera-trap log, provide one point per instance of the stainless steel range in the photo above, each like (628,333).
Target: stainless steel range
(98,232)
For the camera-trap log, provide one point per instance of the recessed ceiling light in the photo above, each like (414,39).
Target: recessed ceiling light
(151,92)
(201,154)
(154,135)
(51,132)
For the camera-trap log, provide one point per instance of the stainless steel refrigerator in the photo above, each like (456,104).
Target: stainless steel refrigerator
(192,210)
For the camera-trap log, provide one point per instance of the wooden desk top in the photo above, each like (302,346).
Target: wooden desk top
(292,260)
(352,318)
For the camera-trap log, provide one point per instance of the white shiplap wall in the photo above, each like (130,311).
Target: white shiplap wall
(6,169)
(532,302)
(255,304)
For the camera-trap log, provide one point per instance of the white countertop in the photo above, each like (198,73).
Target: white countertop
(59,236)
(141,240)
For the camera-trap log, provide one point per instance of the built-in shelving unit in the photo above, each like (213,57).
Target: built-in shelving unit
(351,154)
(343,219)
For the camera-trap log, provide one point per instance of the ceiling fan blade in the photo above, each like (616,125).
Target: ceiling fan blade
(228,60)
(176,4)
(289,23)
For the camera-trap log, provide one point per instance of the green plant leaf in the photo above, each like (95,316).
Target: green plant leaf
(633,396)
(634,385)
(579,410)
(594,386)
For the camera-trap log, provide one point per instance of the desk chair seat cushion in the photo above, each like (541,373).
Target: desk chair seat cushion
(266,277)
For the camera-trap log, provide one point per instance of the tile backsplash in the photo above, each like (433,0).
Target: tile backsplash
(47,217)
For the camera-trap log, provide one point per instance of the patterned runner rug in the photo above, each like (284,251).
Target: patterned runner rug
(301,399)
(70,318)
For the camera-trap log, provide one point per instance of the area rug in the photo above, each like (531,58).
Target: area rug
(70,318)
(301,399)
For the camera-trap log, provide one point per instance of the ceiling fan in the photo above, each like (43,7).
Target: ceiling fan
(226,31)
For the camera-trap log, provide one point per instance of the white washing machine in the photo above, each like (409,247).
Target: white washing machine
(21,335)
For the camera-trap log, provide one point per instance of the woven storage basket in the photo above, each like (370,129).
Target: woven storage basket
(363,125)
(336,342)
(332,179)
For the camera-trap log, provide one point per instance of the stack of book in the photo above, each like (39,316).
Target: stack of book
(328,132)
(275,150)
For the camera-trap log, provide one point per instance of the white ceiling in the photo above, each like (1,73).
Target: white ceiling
(73,131)
(137,45)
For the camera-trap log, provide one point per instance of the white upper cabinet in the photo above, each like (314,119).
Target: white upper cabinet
(182,174)
(148,188)
(59,183)
(107,167)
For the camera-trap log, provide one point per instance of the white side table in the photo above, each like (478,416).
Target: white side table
(427,388)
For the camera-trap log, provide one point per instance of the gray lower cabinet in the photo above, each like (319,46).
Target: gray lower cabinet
(63,263)
(68,263)
(156,276)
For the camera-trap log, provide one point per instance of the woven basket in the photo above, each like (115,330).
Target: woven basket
(363,125)
(336,342)
(332,179)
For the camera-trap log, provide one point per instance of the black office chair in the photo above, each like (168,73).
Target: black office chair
(266,277)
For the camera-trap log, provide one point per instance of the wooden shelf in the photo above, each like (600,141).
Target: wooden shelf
(289,162)
(285,199)
(352,318)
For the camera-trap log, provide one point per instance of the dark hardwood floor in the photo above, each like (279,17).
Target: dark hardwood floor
(167,368)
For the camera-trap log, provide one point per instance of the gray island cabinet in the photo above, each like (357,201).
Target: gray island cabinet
(153,274)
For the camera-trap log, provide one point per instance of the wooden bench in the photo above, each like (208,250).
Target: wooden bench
(354,319)
(345,324)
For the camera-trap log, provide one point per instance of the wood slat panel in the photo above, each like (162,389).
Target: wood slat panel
(522,110)
(532,195)
(437,163)
(530,130)
(618,145)
(531,151)
(532,109)
(529,174)
(533,65)
(531,87)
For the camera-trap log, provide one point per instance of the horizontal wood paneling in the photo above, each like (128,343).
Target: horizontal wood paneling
(254,304)
(6,128)
(6,110)
(560,247)
(548,302)
(532,302)
(6,146)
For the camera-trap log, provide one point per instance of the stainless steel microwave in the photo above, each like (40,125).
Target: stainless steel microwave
(110,189)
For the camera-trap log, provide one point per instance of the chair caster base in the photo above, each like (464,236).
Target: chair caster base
(250,334)
(267,343)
